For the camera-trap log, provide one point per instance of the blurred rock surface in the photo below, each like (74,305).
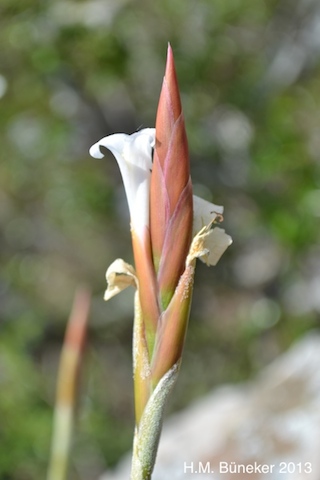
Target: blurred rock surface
(273,420)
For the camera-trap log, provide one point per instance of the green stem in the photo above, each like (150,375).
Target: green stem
(147,434)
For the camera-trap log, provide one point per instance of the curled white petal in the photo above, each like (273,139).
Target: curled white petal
(209,245)
(216,243)
(204,213)
(134,156)
(120,275)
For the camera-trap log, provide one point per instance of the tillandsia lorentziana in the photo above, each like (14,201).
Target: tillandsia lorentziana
(170,229)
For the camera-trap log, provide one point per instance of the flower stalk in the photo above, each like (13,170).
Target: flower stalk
(67,385)
(170,229)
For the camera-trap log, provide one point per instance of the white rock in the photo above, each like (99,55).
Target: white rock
(272,421)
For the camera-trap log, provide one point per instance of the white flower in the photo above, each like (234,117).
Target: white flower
(134,156)
(204,212)
(209,245)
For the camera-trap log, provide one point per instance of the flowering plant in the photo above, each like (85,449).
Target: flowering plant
(170,229)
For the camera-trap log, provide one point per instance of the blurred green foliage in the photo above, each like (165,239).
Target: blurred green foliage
(74,71)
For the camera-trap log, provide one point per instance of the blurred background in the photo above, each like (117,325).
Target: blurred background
(74,71)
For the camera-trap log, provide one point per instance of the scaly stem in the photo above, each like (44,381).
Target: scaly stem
(147,433)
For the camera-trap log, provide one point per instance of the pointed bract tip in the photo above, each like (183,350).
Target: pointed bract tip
(170,67)
(171,86)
